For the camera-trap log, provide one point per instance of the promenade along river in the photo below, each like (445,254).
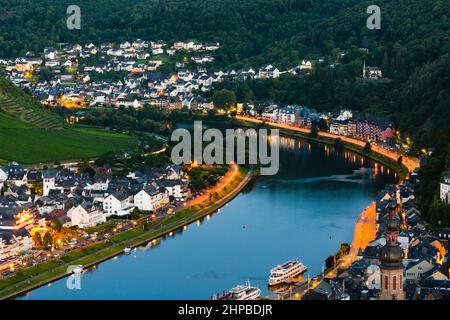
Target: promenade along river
(304,212)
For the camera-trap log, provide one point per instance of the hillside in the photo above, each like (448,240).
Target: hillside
(411,44)
(29,133)
(245,28)
(17,103)
(411,47)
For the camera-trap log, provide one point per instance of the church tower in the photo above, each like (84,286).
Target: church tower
(391,267)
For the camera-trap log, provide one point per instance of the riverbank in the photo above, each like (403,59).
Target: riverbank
(378,154)
(365,226)
(45,273)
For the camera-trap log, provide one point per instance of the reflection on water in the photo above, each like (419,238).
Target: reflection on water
(304,212)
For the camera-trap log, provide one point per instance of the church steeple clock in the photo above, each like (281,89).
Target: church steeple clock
(391,261)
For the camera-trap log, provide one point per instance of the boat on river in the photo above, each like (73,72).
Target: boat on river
(286,272)
(127,250)
(240,292)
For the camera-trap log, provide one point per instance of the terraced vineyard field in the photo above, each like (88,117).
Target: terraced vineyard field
(30,133)
(29,115)
(19,104)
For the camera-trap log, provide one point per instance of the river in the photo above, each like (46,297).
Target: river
(304,212)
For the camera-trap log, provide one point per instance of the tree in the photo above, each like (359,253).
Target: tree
(343,249)
(56,224)
(400,160)
(45,74)
(84,167)
(135,214)
(48,240)
(107,158)
(329,262)
(145,225)
(367,148)
(224,99)
(439,214)
(37,240)
(314,129)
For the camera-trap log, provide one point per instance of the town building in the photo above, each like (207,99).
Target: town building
(48,179)
(372,73)
(371,129)
(86,215)
(118,204)
(444,188)
(14,243)
(391,280)
(339,127)
(151,198)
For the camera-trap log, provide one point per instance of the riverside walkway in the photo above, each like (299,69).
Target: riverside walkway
(409,162)
(103,254)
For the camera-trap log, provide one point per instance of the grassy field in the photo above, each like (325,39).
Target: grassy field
(9,122)
(28,144)
(31,133)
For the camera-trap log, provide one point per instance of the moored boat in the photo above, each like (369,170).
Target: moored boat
(240,292)
(245,292)
(286,271)
(127,250)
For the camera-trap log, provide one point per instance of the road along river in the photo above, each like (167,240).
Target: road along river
(304,212)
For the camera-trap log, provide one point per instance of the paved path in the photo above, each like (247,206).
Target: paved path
(224,181)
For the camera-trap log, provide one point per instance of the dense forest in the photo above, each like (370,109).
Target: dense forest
(432,208)
(412,48)
(244,28)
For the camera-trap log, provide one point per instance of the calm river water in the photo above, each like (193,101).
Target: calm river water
(304,212)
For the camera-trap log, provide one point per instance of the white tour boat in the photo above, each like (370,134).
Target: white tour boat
(240,292)
(245,292)
(285,272)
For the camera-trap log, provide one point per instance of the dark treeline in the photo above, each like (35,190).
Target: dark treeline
(244,28)
(413,32)
(412,48)
(432,208)
(151,119)
(419,107)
